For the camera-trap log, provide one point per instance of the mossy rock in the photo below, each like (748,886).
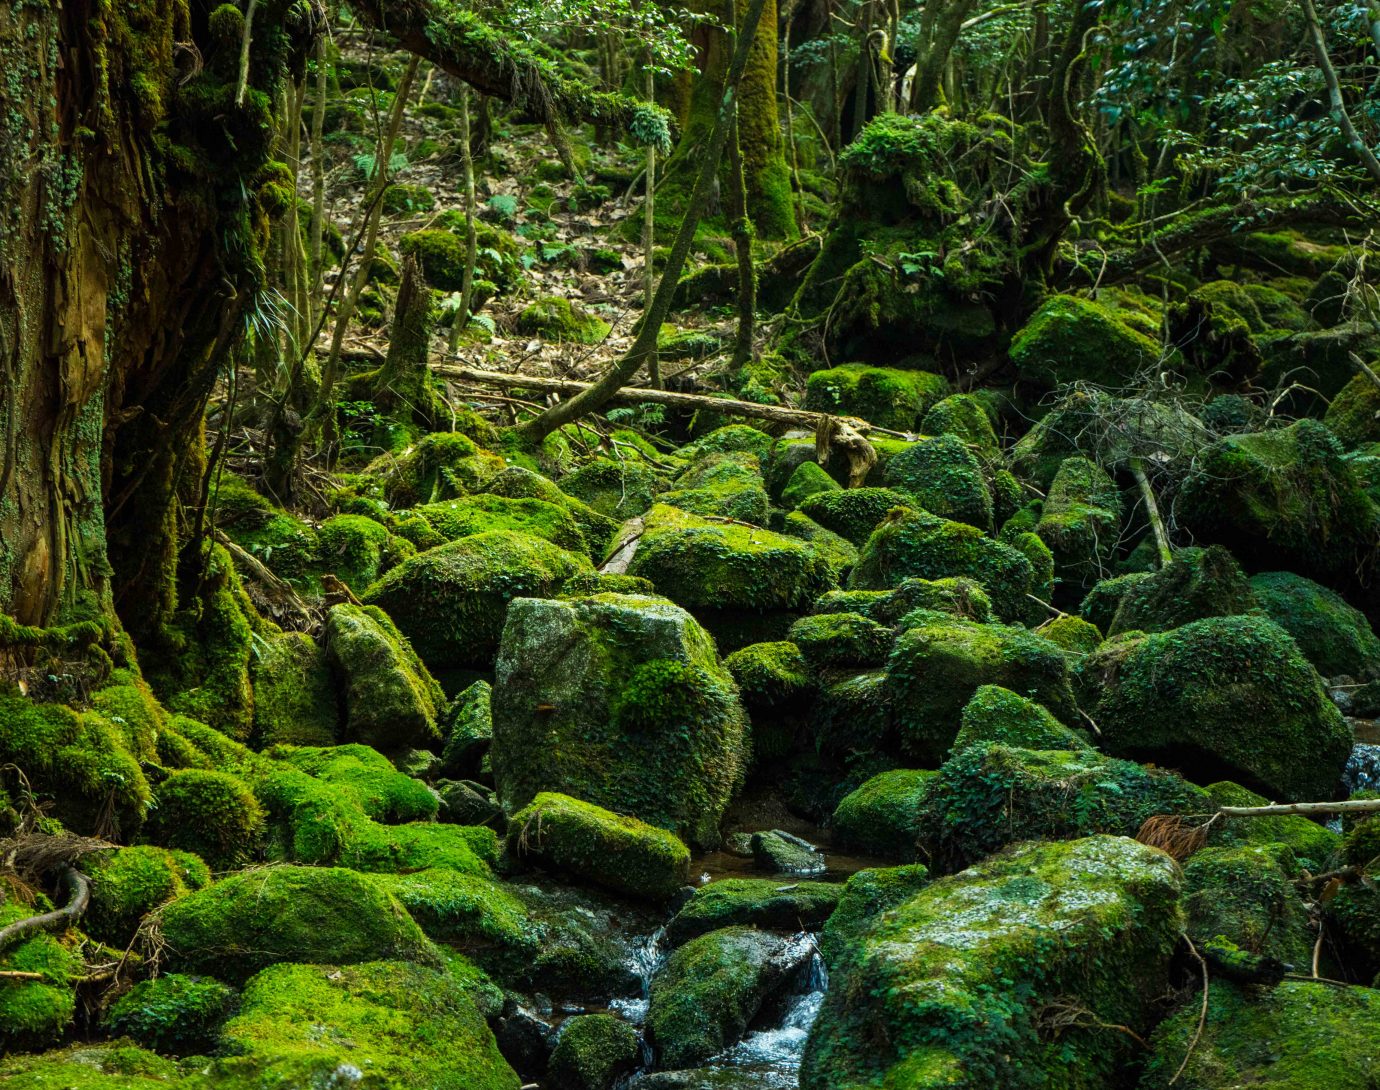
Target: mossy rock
(754,902)
(1073,634)
(1354,415)
(1070,339)
(995,714)
(128,883)
(855,512)
(469,515)
(841,639)
(240,924)
(128,703)
(441,253)
(617,489)
(958,596)
(884,396)
(451,601)
(1100,604)
(472,914)
(770,675)
(1335,637)
(1313,845)
(722,485)
(730,439)
(469,730)
(965,417)
(915,544)
(699,563)
(1247,895)
(36,1013)
(439,466)
(212,814)
(866,895)
(1221,697)
(356,549)
(517,483)
(1197,583)
(592,1052)
(294,693)
(391,702)
(853,715)
(587,842)
(941,662)
(1080,520)
(806,480)
(403,197)
(988,795)
(618,700)
(1298,1035)
(946,988)
(405,1024)
(179,1014)
(881,817)
(943,477)
(709,990)
(554,318)
(367,777)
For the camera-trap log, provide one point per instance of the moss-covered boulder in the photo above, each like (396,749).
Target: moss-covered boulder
(367,778)
(357,550)
(1295,1036)
(1247,896)
(1224,697)
(709,990)
(754,902)
(616,852)
(468,515)
(1197,583)
(885,396)
(989,795)
(841,639)
(36,1012)
(554,318)
(1354,415)
(174,1013)
(1314,845)
(965,417)
(1072,633)
(391,701)
(806,480)
(1071,339)
(946,989)
(619,700)
(1080,520)
(770,675)
(294,694)
(853,513)
(959,596)
(618,489)
(915,544)
(517,483)
(468,726)
(1334,636)
(943,477)
(251,919)
(592,1052)
(451,601)
(881,817)
(405,1024)
(866,895)
(439,466)
(211,814)
(941,662)
(722,485)
(995,714)
(128,883)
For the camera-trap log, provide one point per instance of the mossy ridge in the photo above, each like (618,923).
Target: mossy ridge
(1313,845)
(727,485)
(439,466)
(616,489)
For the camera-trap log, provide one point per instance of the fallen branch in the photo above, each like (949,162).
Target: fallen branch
(62,917)
(1352,806)
(1202,1013)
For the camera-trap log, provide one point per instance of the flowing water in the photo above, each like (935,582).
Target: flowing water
(1362,771)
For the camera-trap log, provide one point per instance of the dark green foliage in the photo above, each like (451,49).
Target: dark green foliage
(212,814)
(1224,696)
(1101,603)
(841,639)
(754,902)
(944,478)
(1335,637)
(855,512)
(882,817)
(999,715)
(469,729)
(178,1014)
(36,1013)
(593,1050)
(1353,917)
(128,883)
(883,396)
(1197,583)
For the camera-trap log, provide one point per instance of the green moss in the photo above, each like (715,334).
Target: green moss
(467,912)
(117,1065)
(294,696)
(401,197)
(995,714)
(884,396)
(618,489)
(1081,519)
(841,639)
(211,814)
(957,596)
(724,485)
(391,701)
(1248,896)
(519,484)
(912,544)
(1222,696)
(469,729)
(947,988)
(592,1051)
(439,466)
(555,318)
(355,549)
(36,1013)
(754,902)
(1354,415)
(469,515)
(128,883)
(1313,845)
(964,417)
(805,481)
(366,776)
(440,253)
(281,540)
(837,552)
(129,704)
(1073,634)
(881,817)
(866,895)
(619,853)
(1076,340)
(1197,583)
(769,675)
(943,477)
(178,1014)
(1333,636)
(855,512)
(1100,604)
(853,715)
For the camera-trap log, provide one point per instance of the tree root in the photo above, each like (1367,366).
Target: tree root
(59,918)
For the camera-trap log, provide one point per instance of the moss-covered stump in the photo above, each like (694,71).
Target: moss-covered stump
(1081,520)
(995,714)
(990,795)
(407,1025)
(706,565)
(391,702)
(451,601)
(173,1013)
(610,850)
(948,988)
(884,396)
(709,990)
(941,662)
(211,814)
(1197,583)
(754,902)
(36,1013)
(1070,339)
(1298,1035)
(915,544)
(294,698)
(129,883)
(592,1052)
(619,489)
(942,476)
(619,700)
(882,817)
(1335,637)
(854,513)
(242,923)
(1221,698)
(1247,896)
(469,515)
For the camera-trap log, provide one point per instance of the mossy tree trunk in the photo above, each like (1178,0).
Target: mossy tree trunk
(137,202)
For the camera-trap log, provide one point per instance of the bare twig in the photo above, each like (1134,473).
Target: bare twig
(1202,1014)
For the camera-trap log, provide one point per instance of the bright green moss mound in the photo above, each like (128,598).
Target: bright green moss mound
(882,816)
(451,601)
(366,776)
(963,416)
(1335,637)
(866,894)
(294,698)
(128,883)
(439,466)
(698,563)
(242,923)
(841,639)
(944,478)
(989,795)
(1073,634)
(36,1013)
(1076,340)
(472,914)
(211,814)
(754,902)
(1296,1036)
(175,1013)
(946,989)
(555,318)
(1081,519)
(724,485)
(1197,583)
(592,1051)
(915,544)
(128,703)
(884,396)
(995,714)
(806,480)
(960,597)
(1247,895)
(118,1065)
(941,662)
(406,1025)
(619,853)
(618,489)
(356,549)
(1224,697)
(853,513)
(770,674)
(468,515)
